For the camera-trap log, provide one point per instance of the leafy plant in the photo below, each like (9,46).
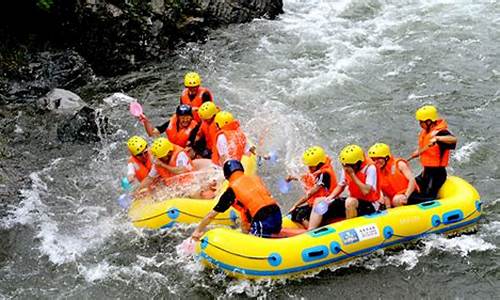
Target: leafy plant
(44,4)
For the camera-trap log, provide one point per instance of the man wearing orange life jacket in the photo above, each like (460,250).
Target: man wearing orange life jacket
(434,144)
(193,94)
(171,160)
(205,139)
(140,162)
(181,129)
(230,141)
(360,176)
(318,182)
(397,182)
(259,211)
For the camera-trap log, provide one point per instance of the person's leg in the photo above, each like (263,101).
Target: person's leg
(351,207)
(315,218)
(437,179)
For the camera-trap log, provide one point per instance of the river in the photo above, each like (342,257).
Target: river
(327,73)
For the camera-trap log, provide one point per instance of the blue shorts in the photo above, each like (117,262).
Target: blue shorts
(267,225)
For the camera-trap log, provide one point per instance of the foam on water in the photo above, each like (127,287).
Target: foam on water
(464,153)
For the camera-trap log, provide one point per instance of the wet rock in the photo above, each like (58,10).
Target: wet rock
(45,71)
(114,36)
(61,101)
(118,99)
(87,125)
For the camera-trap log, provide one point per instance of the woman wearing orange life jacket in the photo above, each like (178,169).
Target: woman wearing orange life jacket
(140,162)
(318,182)
(434,144)
(205,139)
(360,176)
(193,94)
(396,178)
(171,160)
(230,141)
(259,211)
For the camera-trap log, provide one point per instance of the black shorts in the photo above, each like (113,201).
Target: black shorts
(336,210)
(301,213)
(365,207)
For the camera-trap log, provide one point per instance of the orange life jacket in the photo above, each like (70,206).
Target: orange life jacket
(144,168)
(309,181)
(392,180)
(355,192)
(236,142)
(209,132)
(177,135)
(433,157)
(197,100)
(251,195)
(166,174)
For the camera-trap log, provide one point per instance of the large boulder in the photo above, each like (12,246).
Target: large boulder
(61,101)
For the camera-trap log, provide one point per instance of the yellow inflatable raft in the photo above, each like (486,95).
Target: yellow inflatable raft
(246,256)
(165,214)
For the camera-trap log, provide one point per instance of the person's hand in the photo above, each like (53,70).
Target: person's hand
(349,171)
(432,141)
(142,118)
(196,235)
(253,150)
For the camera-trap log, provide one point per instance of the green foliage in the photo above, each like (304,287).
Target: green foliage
(44,4)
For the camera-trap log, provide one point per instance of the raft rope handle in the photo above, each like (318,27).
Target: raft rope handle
(341,250)
(237,254)
(181,212)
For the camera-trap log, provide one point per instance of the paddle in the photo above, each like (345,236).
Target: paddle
(135,109)
(125,199)
(187,247)
(284,186)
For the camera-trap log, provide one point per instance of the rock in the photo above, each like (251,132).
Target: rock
(121,33)
(46,71)
(87,125)
(61,101)
(158,6)
(117,99)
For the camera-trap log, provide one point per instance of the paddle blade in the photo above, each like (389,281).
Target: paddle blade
(284,186)
(273,157)
(124,200)
(187,247)
(135,109)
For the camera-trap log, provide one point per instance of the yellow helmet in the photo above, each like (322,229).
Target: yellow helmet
(351,154)
(314,156)
(223,118)
(207,110)
(136,145)
(192,79)
(427,112)
(379,150)
(161,147)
